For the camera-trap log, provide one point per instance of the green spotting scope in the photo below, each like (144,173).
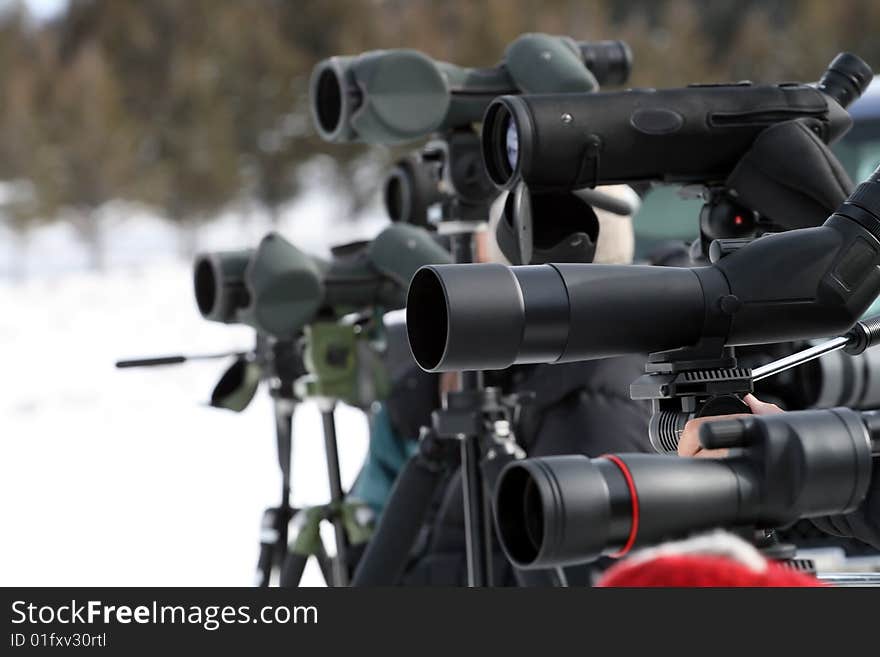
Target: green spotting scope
(393,96)
(279,289)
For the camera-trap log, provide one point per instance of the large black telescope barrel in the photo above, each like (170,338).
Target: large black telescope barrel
(691,134)
(564,510)
(801,284)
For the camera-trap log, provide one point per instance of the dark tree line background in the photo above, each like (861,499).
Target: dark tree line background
(191,106)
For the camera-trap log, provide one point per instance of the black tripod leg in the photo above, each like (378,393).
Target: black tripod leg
(478,530)
(284,432)
(264,565)
(475,517)
(326,565)
(337,496)
(292,570)
(268,546)
(402,518)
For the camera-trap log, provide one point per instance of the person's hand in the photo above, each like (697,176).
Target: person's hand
(689,443)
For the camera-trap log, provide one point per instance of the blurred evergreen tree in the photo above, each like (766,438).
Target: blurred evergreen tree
(191,106)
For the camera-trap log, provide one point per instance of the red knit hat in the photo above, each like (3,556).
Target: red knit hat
(717,559)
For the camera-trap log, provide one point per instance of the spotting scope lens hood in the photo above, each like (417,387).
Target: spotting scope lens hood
(610,61)
(219,285)
(489,316)
(564,510)
(846,78)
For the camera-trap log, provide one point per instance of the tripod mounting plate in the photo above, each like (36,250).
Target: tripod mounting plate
(693,383)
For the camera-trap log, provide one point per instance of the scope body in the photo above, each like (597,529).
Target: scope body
(278,289)
(801,284)
(687,135)
(391,96)
(446,178)
(564,510)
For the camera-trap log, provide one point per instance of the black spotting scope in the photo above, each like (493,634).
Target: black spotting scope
(691,134)
(801,284)
(390,96)
(563,510)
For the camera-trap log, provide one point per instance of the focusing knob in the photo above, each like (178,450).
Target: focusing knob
(863,335)
(729,304)
(721,248)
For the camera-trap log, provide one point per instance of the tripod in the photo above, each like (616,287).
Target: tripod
(329,361)
(340,365)
(467,412)
(278,363)
(446,184)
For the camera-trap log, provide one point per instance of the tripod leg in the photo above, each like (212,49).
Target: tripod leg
(407,507)
(477,528)
(327,566)
(284,432)
(292,570)
(340,561)
(264,565)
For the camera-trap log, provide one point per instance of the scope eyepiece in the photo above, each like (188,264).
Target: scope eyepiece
(846,78)
(609,61)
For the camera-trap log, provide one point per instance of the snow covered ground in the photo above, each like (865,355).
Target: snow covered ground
(125,477)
